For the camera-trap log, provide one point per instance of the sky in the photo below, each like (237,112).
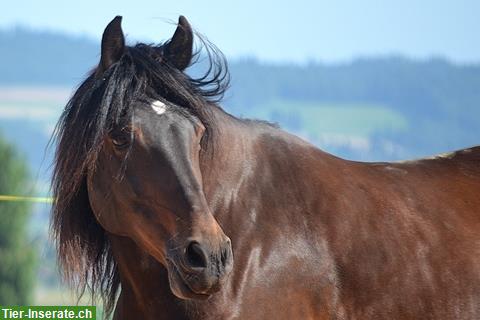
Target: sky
(277,31)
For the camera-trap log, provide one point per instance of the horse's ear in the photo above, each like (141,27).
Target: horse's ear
(113,45)
(178,51)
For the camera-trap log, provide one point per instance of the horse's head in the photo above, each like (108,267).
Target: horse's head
(146,183)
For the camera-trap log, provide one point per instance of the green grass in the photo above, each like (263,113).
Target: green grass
(38,111)
(347,119)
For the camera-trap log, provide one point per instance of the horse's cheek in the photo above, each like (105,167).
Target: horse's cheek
(107,210)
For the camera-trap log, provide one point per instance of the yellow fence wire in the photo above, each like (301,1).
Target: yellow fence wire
(26,199)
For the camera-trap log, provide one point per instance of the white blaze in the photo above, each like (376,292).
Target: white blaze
(159,107)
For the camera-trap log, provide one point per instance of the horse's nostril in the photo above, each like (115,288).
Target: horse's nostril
(196,257)
(226,255)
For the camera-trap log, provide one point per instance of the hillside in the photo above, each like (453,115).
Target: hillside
(384,108)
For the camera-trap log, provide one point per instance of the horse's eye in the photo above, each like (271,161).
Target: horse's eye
(121,138)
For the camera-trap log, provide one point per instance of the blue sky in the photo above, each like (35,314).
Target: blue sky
(298,31)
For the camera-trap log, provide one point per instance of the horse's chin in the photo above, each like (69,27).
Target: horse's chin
(179,287)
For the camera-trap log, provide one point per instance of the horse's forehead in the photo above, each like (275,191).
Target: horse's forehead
(159,107)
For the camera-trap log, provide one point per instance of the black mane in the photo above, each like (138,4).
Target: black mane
(101,103)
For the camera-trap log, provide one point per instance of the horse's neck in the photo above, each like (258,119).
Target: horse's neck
(251,157)
(263,186)
(144,283)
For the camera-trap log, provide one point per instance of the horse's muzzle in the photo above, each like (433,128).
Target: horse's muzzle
(200,270)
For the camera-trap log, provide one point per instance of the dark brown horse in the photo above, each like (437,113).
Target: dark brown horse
(183,211)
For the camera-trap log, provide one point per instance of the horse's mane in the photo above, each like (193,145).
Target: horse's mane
(98,105)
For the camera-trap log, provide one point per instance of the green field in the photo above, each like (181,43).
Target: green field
(325,118)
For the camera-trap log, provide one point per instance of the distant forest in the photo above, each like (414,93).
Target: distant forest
(440,101)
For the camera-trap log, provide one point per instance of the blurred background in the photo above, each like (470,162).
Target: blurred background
(365,80)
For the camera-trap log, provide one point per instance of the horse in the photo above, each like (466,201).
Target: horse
(168,207)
